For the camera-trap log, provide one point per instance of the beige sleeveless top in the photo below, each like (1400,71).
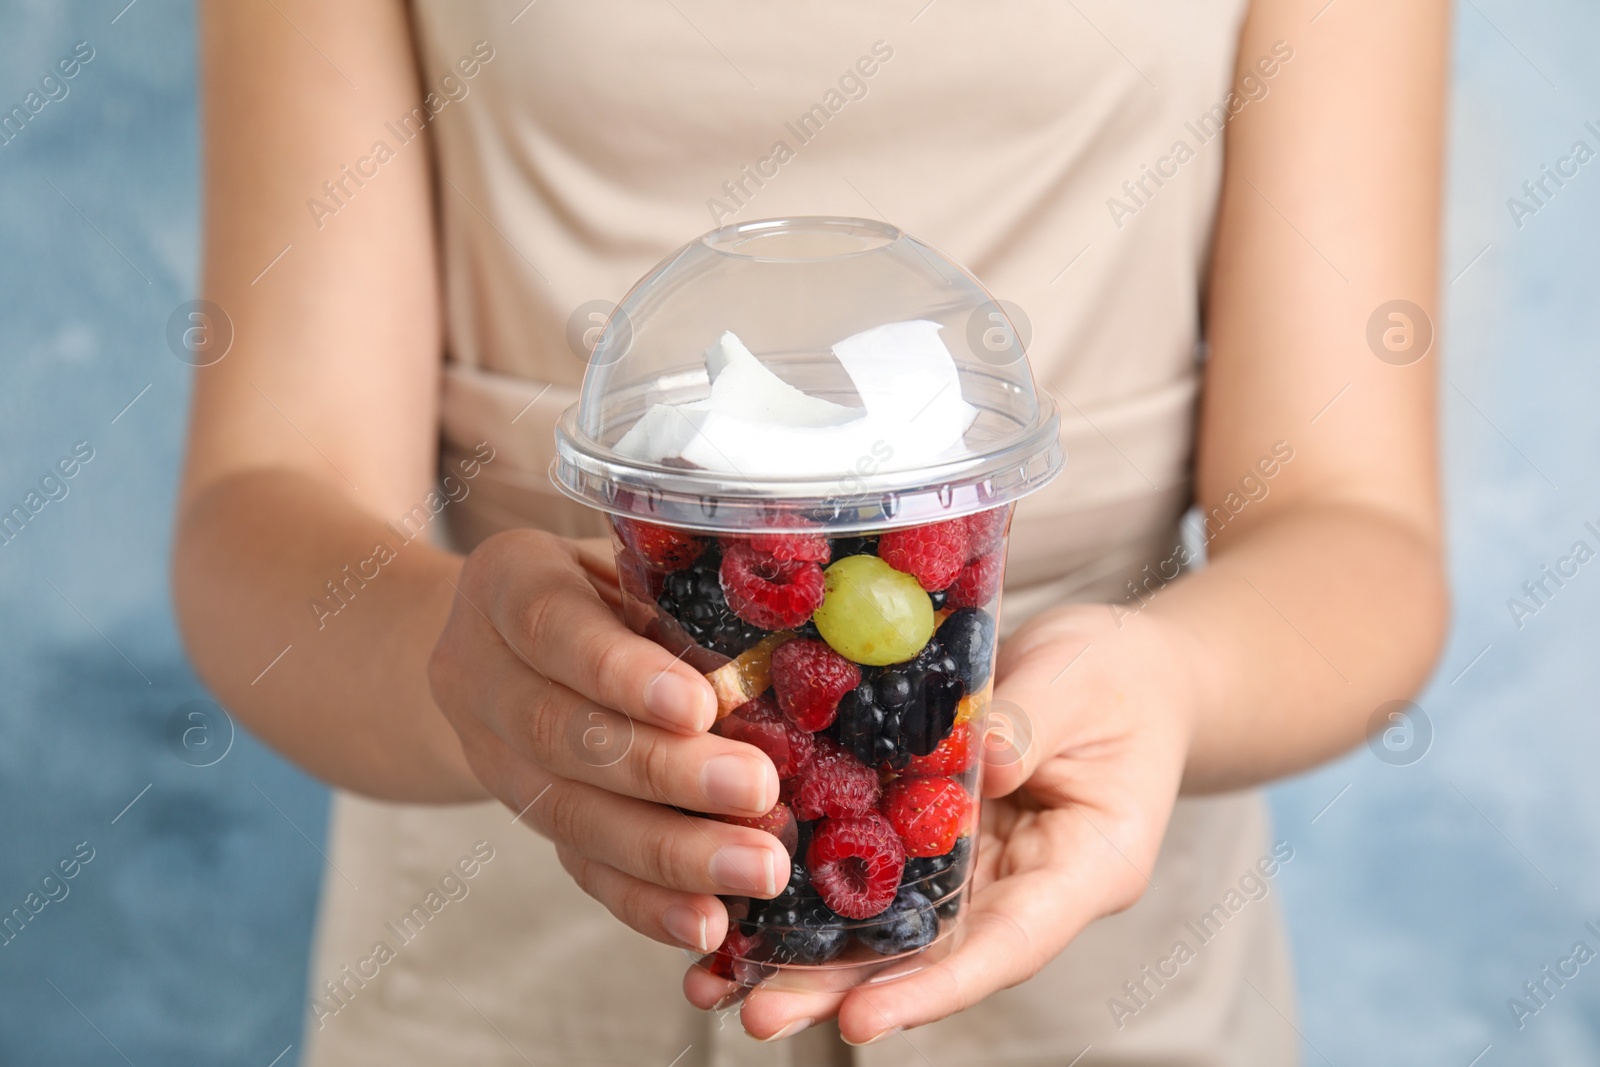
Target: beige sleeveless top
(580,141)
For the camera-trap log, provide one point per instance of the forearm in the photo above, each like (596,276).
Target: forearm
(1296,631)
(349,698)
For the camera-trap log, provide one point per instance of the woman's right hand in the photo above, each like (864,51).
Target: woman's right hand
(531,670)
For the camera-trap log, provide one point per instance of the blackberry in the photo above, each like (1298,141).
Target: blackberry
(902,710)
(907,924)
(967,636)
(854,546)
(694,597)
(869,730)
(939,877)
(937,690)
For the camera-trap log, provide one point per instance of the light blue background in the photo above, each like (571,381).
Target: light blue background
(1419,901)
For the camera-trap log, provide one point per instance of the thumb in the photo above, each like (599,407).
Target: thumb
(1024,719)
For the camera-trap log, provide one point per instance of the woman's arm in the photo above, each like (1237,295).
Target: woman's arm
(1322,600)
(1327,598)
(320,423)
(441,678)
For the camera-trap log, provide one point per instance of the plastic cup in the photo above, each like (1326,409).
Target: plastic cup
(809,435)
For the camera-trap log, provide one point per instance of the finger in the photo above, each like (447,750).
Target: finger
(707,991)
(1016,736)
(769,1012)
(648,841)
(545,607)
(599,561)
(1011,927)
(685,920)
(576,738)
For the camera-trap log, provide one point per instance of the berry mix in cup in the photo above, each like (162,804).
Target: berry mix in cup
(861,666)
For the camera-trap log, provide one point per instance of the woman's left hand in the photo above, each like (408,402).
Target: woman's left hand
(1088,736)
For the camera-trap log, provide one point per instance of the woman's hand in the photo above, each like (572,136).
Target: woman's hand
(532,671)
(1089,731)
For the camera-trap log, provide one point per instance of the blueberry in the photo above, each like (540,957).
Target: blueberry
(810,944)
(797,927)
(967,638)
(939,598)
(907,924)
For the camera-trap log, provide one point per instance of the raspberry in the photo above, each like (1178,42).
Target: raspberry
(779,822)
(927,813)
(803,544)
(808,679)
(978,583)
(985,530)
(761,724)
(835,784)
(660,546)
(856,864)
(770,593)
(933,553)
(954,755)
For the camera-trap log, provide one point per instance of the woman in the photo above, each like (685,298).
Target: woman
(393,189)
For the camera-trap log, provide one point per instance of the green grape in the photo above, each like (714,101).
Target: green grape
(872,613)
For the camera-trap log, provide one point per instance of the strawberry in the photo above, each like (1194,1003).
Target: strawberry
(928,813)
(661,546)
(954,755)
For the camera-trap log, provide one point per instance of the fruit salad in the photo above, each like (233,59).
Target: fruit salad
(861,666)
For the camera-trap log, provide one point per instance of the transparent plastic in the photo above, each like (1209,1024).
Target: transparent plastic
(836,365)
(809,434)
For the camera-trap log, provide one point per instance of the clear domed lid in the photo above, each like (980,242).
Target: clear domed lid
(830,369)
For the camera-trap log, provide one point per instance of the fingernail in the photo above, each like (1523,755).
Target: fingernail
(673,698)
(734,782)
(790,1030)
(896,972)
(686,924)
(874,1039)
(744,869)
